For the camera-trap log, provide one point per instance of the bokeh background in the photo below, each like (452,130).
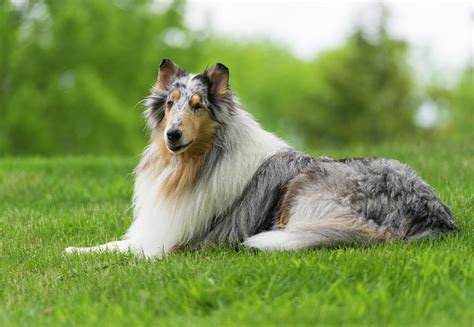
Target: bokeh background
(320,74)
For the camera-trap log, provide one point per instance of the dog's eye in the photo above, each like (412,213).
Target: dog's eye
(197,106)
(169,103)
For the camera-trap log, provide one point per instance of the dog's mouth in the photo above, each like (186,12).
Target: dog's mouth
(177,148)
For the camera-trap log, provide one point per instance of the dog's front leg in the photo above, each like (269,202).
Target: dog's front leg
(118,246)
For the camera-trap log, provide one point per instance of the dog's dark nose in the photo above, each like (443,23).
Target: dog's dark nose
(173,135)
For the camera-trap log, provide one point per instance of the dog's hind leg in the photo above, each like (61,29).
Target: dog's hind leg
(343,230)
(117,246)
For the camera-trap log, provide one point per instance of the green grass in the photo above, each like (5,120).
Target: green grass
(48,204)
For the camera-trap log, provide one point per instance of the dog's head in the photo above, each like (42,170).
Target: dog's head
(185,110)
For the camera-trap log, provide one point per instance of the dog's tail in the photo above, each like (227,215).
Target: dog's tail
(324,233)
(433,220)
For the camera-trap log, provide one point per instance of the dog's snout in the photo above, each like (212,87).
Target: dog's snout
(173,135)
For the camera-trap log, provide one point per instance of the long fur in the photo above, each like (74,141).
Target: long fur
(248,186)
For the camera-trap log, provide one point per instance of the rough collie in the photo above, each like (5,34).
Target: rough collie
(211,175)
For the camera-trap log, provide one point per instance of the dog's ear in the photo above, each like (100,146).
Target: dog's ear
(167,73)
(218,76)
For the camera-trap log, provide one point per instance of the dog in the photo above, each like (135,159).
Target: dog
(212,176)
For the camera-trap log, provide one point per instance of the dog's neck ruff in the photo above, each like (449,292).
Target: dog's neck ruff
(162,222)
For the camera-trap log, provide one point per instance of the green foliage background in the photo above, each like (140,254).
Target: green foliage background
(72,74)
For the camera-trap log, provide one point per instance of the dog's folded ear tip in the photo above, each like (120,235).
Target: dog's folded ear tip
(218,76)
(222,66)
(167,72)
(165,61)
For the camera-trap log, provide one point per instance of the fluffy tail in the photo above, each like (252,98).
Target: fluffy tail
(327,233)
(436,219)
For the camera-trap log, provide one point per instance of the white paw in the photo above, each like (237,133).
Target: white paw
(268,241)
(71,249)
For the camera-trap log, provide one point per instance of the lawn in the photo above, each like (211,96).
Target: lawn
(48,204)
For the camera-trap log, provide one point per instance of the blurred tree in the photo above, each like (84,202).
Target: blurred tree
(72,72)
(455,108)
(9,25)
(365,92)
(461,108)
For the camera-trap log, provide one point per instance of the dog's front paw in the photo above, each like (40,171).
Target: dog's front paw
(71,249)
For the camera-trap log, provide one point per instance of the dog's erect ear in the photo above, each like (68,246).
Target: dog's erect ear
(167,73)
(218,76)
